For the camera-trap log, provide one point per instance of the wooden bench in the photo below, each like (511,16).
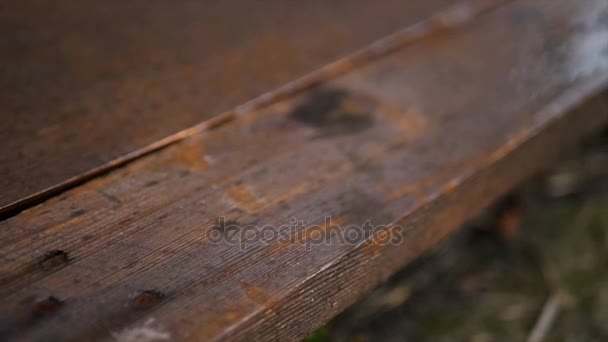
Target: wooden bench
(124,221)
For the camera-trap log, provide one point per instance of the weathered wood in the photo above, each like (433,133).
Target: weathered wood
(418,140)
(87,85)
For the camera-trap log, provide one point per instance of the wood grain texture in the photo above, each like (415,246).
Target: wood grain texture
(87,85)
(416,142)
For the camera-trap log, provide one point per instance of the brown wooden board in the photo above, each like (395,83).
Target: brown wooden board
(416,142)
(86,85)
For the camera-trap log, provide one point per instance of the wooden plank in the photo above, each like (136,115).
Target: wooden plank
(87,85)
(413,143)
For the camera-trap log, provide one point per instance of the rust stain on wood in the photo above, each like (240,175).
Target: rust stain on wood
(192,158)
(242,196)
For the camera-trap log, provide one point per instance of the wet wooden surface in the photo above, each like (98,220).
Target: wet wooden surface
(414,143)
(88,84)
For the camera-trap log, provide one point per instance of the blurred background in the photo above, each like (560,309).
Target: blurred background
(534,267)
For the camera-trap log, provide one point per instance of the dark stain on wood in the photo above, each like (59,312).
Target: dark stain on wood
(53,259)
(151,183)
(46,306)
(333,112)
(77,212)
